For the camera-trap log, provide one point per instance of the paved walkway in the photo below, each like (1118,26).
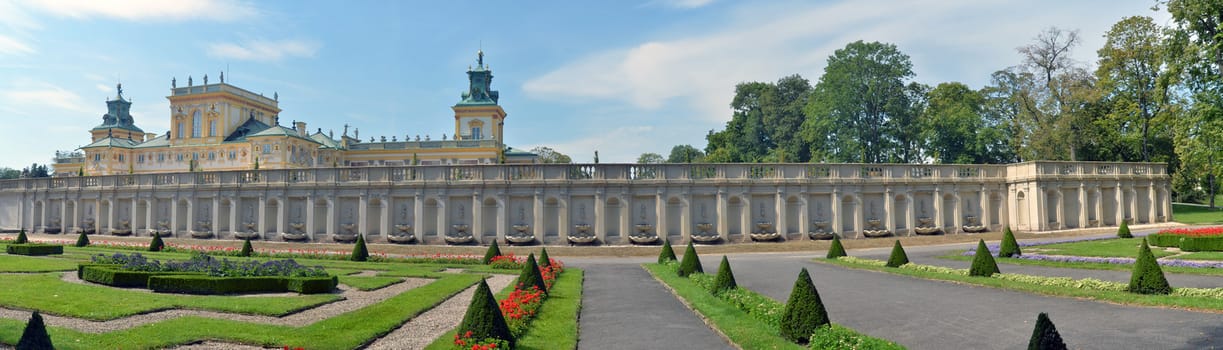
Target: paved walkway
(623,307)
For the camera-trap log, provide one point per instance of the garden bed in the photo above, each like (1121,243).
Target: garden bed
(204,275)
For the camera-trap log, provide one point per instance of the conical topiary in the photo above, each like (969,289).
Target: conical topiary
(246,248)
(35,336)
(804,311)
(21,238)
(1124,230)
(1147,277)
(726,279)
(492,252)
(691,263)
(898,256)
(1045,336)
(544,260)
(483,318)
(1009,247)
(82,240)
(836,250)
(530,277)
(983,263)
(157,244)
(359,251)
(667,254)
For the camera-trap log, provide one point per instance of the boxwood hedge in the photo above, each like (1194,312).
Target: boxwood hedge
(199,283)
(34,249)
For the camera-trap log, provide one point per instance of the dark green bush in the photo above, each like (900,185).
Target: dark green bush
(898,256)
(359,252)
(1164,240)
(483,318)
(1202,244)
(836,250)
(312,285)
(34,249)
(246,248)
(492,252)
(983,263)
(1124,230)
(21,238)
(667,254)
(156,245)
(804,311)
(1045,336)
(726,279)
(1147,277)
(200,284)
(691,263)
(544,260)
(1009,247)
(112,275)
(530,276)
(35,336)
(82,240)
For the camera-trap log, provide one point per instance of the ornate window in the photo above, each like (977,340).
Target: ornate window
(196,124)
(212,128)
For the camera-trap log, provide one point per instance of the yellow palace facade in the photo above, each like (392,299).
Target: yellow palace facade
(218,126)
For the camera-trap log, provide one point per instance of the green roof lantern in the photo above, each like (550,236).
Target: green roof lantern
(479,91)
(118,113)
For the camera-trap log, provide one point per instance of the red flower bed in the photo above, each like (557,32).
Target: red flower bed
(1195,232)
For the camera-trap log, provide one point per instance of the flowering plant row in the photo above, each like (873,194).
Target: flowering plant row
(467,339)
(1195,232)
(519,308)
(211,266)
(759,306)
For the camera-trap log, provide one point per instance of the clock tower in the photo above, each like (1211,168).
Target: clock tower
(477,115)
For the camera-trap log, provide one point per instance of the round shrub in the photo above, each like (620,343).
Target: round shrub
(359,252)
(836,250)
(726,279)
(804,311)
(82,240)
(983,263)
(157,244)
(1045,336)
(691,263)
(1009,247)
(530,276)
(483,318)
(898,256)
(492,252)
(1124,230)
(35,336)
(667,254)
(246,248)
(1147,277)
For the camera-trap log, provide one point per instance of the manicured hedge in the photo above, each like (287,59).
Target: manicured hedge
(112,275)
(197,284)
(34,249)
(1188,244)
(1164,240)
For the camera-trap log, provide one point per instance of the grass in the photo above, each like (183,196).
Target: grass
(555,325)
(1197,303)
(1192,214)
(368,283)
(1095,266)
(1120,247)
(1200,256)
(21,263)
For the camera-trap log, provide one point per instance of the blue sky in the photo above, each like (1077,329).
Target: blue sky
(620,77)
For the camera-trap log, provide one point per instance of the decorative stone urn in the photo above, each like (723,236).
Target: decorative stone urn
(819,231)
(764,232)
(874,228)
(925,226)
(581,234)
(971,224)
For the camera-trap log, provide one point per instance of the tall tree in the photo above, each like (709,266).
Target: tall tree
(859,104)
(955,129)
(685,154)
(9,173)
(1196,46)
(650,158)
(549,155)
(764,123)
(1131,73)
(1046,78)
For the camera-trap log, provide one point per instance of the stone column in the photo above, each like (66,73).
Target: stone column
(1082,204)
(859,215)
(149,220)
(310,217)
(260,216)
(779,211)
(63,216)
(745,217)
(1061,208)
(685,228)
(234,207)
(362,216)
(110,216)
(957,213)
(503,218)
(721,210)
(938,210)
(477,218)
(384,220)
(537,219)
(562,230)
(889,205)
(332,212)
(804,217)
(910,213)
(836,220)
(599,221)
(1153,199)
(660,214)
(986,212)
(282,207)
(418,213)
(626,216)
(216,215)
(443,216)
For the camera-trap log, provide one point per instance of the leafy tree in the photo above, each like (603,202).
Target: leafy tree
(1045,336)
(483,317)
(548,155)
(690,263)
(836,250)
(35,336)
(156,245)
(725,280)
(36,170)
(246,248)
(492,252)
(898,256)
(955,129)
(804,311)
(1131,72)
(9,173)
(1041,88)
(983,263)
(764,125)
(530,276)
(650,158)
(359,252)
(1148,277)
(1009,247)
(685,154)
(666,254)
(1196,49)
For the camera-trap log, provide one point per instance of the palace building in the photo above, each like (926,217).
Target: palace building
(218,126)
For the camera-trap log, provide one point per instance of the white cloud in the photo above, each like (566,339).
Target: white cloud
(10,46)
(263,50)
(39,96)
(154,10)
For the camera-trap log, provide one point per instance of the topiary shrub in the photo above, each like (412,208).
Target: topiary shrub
(492,252)
(1045,336)
(359,252)
(82,240)
(667,254)
(530,276)
(544,260)
(483,318)
(804,311)
(691,262)
(21,238)
(1124,230)
(1009,247)
(246,248)
(35,336)
(983,263)
(836,250)
(898,256)
(1147,277)
(157,244)
(726,279)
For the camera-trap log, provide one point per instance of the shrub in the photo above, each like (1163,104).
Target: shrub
(156,245)
(544,260)
(1045,336)
(725,280)
(836,250)
(1009,247)
(22,239)
(838,337)
(983,263)
(1202,244)
(1147,277)
(483,318)
(1124,230)
(804,311)
(898,256)
(35,336)
(246,248)
(492,252)
(199,284)
(691,263)
(667,254)
(530,276)
(82,240)
(359,252)
(34,249)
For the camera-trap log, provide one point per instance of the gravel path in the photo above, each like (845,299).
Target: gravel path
(424,328)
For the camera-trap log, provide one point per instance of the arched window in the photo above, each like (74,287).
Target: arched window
(196,124)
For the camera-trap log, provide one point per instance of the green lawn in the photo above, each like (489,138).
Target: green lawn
(21,263)
(1125,248)
(1096,266)
(1190,214)
(369,282)
(1201,256)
